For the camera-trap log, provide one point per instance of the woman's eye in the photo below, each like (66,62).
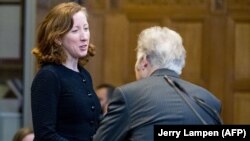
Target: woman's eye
(74,30)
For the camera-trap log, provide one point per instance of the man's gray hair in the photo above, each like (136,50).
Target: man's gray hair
(162,47)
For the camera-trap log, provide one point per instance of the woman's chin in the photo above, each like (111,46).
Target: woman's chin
(83,54)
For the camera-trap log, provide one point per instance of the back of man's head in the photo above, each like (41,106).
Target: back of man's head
(162,47)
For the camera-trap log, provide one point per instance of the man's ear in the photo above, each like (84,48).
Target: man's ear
(144,62)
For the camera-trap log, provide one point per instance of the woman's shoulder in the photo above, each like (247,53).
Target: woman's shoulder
(48,69)
(84,71)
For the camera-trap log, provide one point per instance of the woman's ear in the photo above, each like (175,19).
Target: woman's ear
(58,41)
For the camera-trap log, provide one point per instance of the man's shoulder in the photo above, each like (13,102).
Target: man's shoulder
(135,84)
(190,85)
(199,91)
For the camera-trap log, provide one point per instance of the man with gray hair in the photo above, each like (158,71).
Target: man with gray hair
(159,96)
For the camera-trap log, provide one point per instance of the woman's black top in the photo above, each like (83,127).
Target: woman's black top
(64,104)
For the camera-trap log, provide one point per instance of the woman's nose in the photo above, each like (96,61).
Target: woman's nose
(84,35)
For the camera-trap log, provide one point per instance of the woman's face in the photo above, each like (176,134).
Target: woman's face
(76,41)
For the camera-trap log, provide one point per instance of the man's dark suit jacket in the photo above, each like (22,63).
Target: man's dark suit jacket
(136,107)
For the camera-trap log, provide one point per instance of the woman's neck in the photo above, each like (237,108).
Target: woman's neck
(73,65)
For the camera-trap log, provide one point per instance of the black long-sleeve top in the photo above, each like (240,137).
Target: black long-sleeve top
(64,104)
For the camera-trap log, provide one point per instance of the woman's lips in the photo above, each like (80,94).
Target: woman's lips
(83,47)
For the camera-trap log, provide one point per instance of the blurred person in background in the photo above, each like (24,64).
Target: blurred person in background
(104,92)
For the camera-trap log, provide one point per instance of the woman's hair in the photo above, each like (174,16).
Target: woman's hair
(162,47)
(21,133)
(55,25)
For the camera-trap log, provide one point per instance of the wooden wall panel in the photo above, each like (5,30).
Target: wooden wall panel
(191,33)
(116,43)
(241,80)
(238,72)
(214,63)
(95,65)
(241,108)
(242,51)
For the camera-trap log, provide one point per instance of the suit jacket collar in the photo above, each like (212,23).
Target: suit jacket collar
(163,71)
